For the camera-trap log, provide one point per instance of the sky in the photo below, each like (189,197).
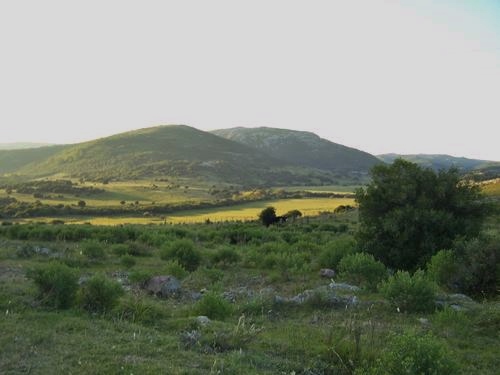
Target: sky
(419,76)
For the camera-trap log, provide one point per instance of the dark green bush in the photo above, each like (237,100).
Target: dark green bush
(99,294)
(140,276)
(411,354)
(184,251)
(410,293)
(57,284)
(119,249)
(363,270)
(213,306)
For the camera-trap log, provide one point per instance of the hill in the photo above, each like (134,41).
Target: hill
(438,161)
(302,148)
(11,161)
(162,151)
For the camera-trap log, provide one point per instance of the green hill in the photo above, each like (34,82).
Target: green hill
(163,151)
(302,148)
(438,161)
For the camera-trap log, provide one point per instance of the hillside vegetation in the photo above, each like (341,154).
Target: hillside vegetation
(302,148)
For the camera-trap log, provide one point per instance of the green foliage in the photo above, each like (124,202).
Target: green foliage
(140,276)
(99,294)
(184,251)
(140,310)
(408,213)
(57,284)
(335,250)
(214,306)
(410,293)
(442,268)
(174,268)
(268,216)
(478,266)
(411,354)
(127,261)
(93,250)
(363,270)
(226,256)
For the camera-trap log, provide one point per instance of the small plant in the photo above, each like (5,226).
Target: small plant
(184,252)
(362,269)
(410,293)
(99,294)
(412,354)
(57,284)
(139,310)
(119,249)
(175,269)
(127,261)
(213,306)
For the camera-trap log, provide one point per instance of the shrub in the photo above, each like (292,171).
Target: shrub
(268,216)
(93,250)
(410,293)
(175,269)
(335,250)
(140,276)
(119,249)
(362,269)
(99,294)
(140,310)
(127,261)
(442,268)
(226,256)
(213,306)
(184,252)
(411,354)
(57,284)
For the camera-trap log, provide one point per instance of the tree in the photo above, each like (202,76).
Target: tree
(293,214)
(268,216)
(408,213)
(82,204)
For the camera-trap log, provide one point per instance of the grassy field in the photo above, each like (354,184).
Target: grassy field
(242,212)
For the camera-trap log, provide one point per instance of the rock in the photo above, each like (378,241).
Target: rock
(190,338)
(42,251)
(195,296)
(321,296)
(203,320)
(457,302)
(423,321)
(343,286)
(163,286)
(327,272)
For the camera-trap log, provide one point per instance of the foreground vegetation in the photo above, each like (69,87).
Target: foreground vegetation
(305,297)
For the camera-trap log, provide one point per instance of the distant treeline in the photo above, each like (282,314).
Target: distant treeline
(41,188)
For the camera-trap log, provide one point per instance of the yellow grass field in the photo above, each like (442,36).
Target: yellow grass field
(243,212)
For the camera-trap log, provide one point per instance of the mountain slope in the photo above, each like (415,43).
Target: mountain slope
(164,151)
(22,145)
(13,160)
(302,148)
(441,161)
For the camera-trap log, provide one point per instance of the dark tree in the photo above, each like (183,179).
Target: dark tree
(82,204)
(293,214)
(268,216)
(408,213)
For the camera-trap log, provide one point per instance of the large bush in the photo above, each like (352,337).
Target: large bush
(407,213)
(335,250)
(99,294)
(184,251)
(410,293)
(442,268)
(362,269)
(411,354)
(57,284)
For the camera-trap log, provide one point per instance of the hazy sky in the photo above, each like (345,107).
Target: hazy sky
(381,76)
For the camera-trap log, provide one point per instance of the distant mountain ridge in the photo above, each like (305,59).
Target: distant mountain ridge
(442,161)
(22,145)
(302,148)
